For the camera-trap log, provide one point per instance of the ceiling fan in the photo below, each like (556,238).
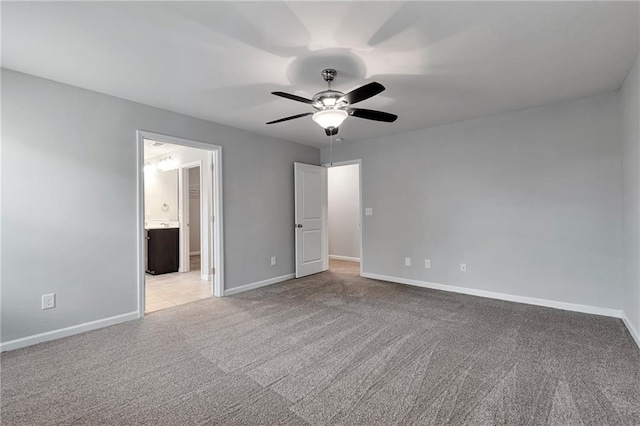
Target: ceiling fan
(333,107)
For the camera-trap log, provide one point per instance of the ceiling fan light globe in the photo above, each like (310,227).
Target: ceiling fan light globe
(330,117)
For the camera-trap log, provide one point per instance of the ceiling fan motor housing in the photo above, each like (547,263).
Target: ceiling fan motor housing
(328,100)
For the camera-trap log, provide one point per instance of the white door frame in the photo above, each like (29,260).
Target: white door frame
(347,163)
(183,217)
(216,218)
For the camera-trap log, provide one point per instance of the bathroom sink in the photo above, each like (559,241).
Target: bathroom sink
(161,224)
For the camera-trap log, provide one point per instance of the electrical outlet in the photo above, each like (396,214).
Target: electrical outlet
(407,261)
(463,267)
(368,211)
(48,301)
(427,263)
(273,261)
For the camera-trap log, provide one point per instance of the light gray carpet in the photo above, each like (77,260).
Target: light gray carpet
(333,348)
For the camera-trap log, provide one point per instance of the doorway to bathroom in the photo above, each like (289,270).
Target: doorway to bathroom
(180,210)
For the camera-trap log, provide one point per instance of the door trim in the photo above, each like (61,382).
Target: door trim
(216,219)
(348,163)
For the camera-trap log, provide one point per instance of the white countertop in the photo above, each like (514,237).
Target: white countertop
(161,224)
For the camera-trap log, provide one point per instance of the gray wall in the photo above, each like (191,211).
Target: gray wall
(344,210)
(531,201)
(630,99)
(69,201)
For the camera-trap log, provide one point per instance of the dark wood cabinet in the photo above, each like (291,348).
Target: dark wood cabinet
(163,251)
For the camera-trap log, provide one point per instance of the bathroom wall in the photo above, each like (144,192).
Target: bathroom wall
(161,189)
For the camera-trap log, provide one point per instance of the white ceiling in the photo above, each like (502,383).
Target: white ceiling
(440,61)
(152,150)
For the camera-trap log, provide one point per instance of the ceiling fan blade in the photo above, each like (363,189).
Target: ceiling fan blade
(331,132)
(293,97)
(370,114)
(290,118)
(362,93)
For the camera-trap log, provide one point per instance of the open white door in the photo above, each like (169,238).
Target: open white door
(311,219)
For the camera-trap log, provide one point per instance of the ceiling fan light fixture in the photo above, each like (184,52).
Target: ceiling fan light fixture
(330,117)
(333,107)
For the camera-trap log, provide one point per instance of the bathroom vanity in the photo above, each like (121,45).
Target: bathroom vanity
(162,247)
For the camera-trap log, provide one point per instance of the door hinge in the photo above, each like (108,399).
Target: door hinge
(213,271)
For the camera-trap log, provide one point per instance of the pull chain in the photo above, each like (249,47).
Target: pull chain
(331,148)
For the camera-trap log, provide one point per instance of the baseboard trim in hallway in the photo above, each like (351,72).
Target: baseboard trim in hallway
(585,309)
(258,284)
(67,331)
(347,258)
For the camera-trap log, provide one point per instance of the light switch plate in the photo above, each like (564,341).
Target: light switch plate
(273,261)
(463,267)
(368,211)
(407,261)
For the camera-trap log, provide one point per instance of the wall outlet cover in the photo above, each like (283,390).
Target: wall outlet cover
(463,267)
(368,211)
(273,261)
(48,301)
(407,261)
(427,263)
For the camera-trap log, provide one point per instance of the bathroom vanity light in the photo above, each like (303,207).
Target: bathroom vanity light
(167,164)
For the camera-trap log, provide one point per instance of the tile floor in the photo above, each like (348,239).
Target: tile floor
(167,290)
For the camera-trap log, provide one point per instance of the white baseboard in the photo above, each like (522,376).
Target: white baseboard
(632,330)
(347,258)
(608,312)
(67,331)
(258,284)
(193,253)
(206,277)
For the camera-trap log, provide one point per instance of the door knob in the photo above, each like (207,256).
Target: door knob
(299,225)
